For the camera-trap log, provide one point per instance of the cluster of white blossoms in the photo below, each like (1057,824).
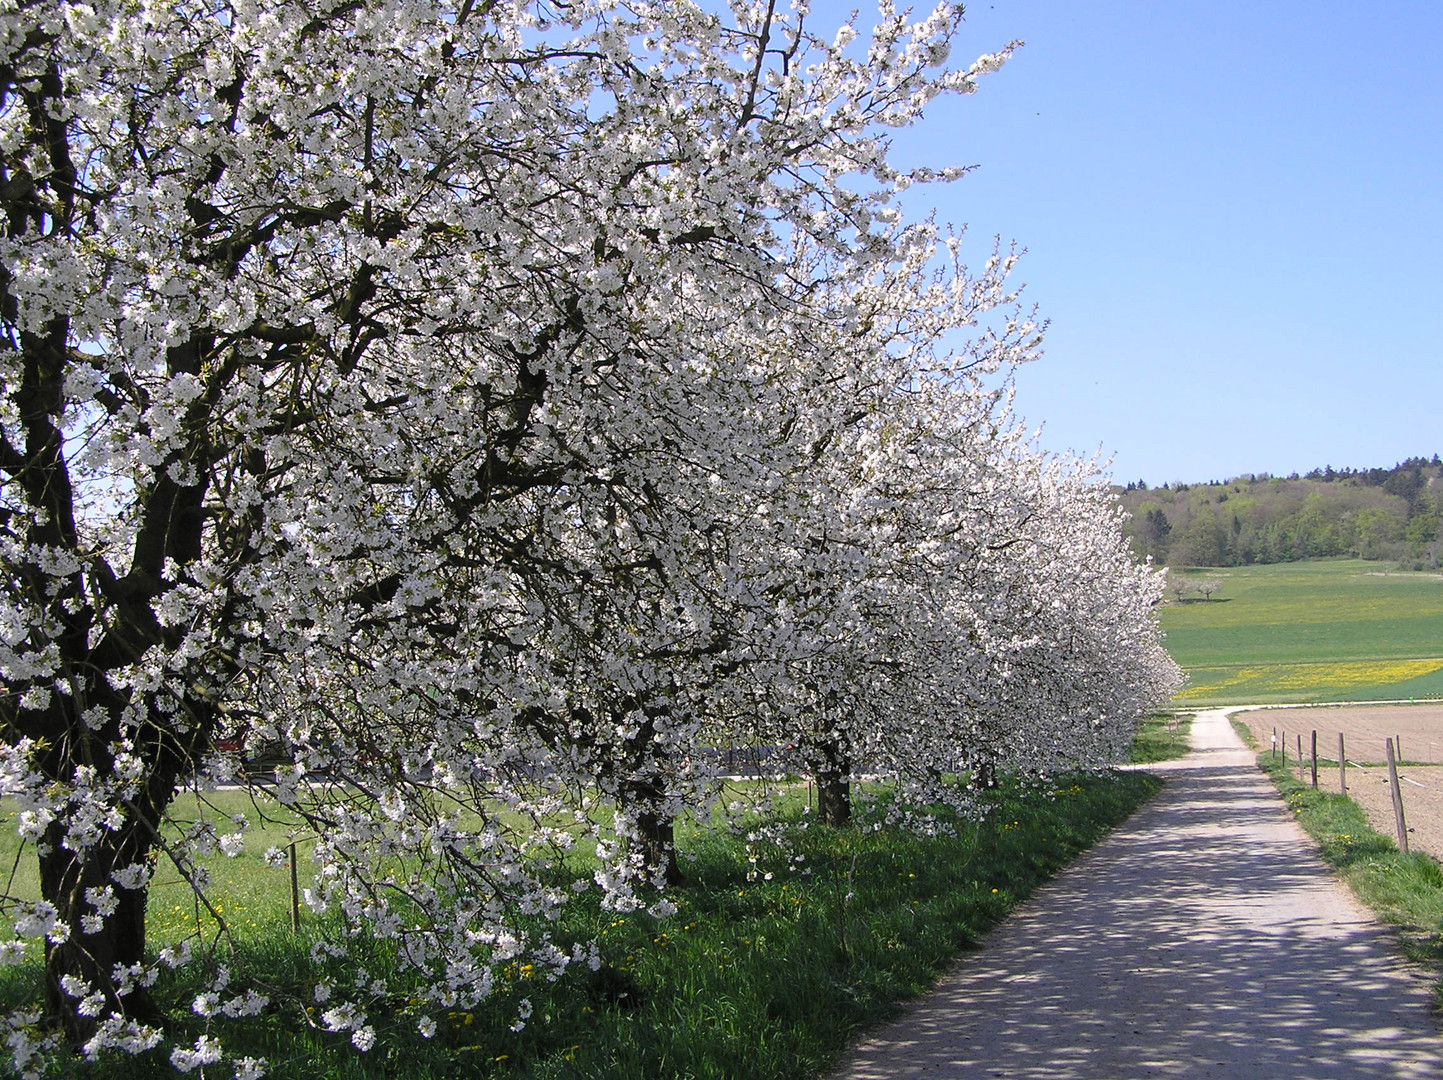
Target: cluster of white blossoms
(494,411)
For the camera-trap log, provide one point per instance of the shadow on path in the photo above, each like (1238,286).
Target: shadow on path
(1201,939)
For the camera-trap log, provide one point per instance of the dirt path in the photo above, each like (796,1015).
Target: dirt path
(1201,939)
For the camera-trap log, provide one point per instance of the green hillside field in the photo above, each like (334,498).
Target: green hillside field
(1321,630)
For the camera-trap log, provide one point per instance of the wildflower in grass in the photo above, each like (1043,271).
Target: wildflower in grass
(1339,676)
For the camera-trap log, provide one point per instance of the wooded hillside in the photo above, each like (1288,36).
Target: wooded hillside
(1391,514)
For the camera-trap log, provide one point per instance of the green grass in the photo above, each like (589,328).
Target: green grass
(252,893)
(751,979)
(1161,737)
(1404,890)
(1324,630)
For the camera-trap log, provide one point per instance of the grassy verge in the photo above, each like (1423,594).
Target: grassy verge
(1161,737)
(1405,891)
(766,971)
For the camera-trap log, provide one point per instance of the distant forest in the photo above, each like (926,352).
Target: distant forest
(1391,514)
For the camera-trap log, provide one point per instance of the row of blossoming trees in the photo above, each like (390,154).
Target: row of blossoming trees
(494,408)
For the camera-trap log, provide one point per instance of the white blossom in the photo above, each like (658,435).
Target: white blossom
(467,417)
(206,1051)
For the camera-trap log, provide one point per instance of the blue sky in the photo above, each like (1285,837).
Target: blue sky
(1233,221)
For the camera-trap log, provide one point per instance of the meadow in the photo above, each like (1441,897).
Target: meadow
(1323,630)
(766,970)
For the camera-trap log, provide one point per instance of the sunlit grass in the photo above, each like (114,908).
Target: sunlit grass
(1325,630)
(751,977)
(1162,737)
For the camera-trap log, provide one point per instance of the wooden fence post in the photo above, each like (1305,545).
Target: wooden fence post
(1342,766)
(1315,759)
(1300,757)
(295,894)
(1397,799)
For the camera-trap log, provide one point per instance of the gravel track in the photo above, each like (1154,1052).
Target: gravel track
(1202,938)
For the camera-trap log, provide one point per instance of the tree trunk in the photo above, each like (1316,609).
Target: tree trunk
(984,776)
(655,829)
(656,834)
(66,876)
(832,765)
(118,942)
(645,792)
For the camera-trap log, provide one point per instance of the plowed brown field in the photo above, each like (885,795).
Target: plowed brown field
(1419,729)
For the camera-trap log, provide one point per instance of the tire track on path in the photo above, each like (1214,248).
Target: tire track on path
(1202,938)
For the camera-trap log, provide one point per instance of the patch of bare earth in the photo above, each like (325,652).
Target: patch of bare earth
(1419,730)
(1422,790)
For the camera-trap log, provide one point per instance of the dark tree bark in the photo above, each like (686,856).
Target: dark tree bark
(984,776)
(830,760)
(119,942)
(70,876)
(644,790)
(656,832)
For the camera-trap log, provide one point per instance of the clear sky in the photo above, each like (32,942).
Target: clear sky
(1233,213)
